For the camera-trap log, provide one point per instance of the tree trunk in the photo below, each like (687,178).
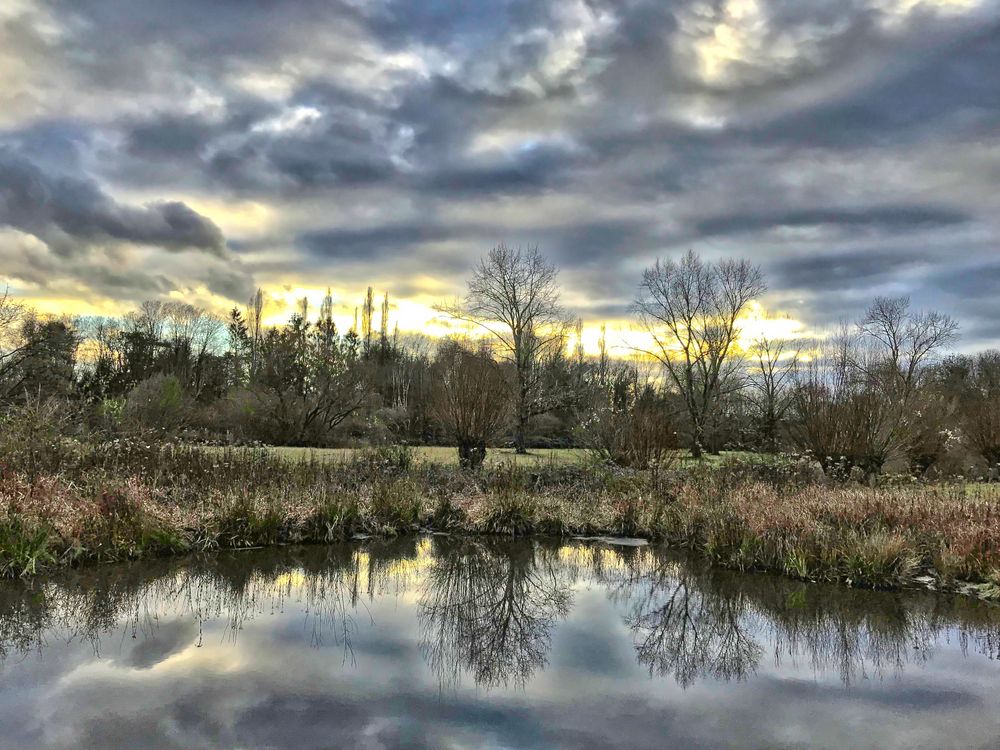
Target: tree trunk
(521,428)
(520,446)
(471,456)
(697,439)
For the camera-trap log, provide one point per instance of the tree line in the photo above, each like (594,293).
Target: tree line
(882,392)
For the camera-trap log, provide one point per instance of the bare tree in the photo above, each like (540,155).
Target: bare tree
(771,375)
(975,387)
(830,417)
(514,296)
(632,423)
(190,334)
(692,309)
(904,342)
(859,403)
(896,344)
(14,349)
(469,400)
(150,320)
(603,360)
(383,327)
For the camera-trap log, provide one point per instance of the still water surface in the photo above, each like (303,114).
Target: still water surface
(443,643)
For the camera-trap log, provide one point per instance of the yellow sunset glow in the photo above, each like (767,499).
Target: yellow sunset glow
(416,315)
(235,218)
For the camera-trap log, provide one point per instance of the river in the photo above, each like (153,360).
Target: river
(443,642)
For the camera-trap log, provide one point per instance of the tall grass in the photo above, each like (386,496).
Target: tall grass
(130,499)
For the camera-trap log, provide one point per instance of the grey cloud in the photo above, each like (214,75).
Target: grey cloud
(886,218)
(599,244)
(578,245)
(532,168)
(170,136)
(47,206)
(875,128)
(936,89)
(114,250)
(345,140)
(107,273)
(979,281)
(839,283)
(375,243)
(343,152)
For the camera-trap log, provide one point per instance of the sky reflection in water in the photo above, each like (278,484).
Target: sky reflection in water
(434,642)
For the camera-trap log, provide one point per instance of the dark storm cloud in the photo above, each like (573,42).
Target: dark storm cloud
(532,168)
(885,218)
(592,243)
(579,245)
(377,243)
(86,238)
(979,281)
(344,159)
(171,136)
(843,269)
(50,206)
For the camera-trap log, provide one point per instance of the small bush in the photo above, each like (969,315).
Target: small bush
(158,404)
(376,464)
(33,437)
(509,513)
(24,548)
(637,434)
(881,560)
(249,522)
(395,507)
(331,520)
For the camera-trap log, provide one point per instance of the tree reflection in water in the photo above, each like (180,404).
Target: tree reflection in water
(681,627)
(490,608)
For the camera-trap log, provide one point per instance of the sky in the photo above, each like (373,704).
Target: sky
(197,150)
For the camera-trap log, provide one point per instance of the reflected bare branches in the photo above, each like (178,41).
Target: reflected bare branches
(692,621)
(488,608)
(680,627)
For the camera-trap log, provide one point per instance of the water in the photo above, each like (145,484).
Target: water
(442,643)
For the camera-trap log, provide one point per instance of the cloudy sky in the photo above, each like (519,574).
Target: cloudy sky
(198,150)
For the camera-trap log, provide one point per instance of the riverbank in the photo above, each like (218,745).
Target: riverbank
(128,500)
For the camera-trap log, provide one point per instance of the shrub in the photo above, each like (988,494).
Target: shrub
(470,401)
(395,506)
(385,460)
(24,548)
(509,513)
(332,519)
(157,403)
(33,436)
(636,434)
(879,560)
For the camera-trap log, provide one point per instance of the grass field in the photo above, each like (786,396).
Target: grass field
(443,454)
(494,457)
